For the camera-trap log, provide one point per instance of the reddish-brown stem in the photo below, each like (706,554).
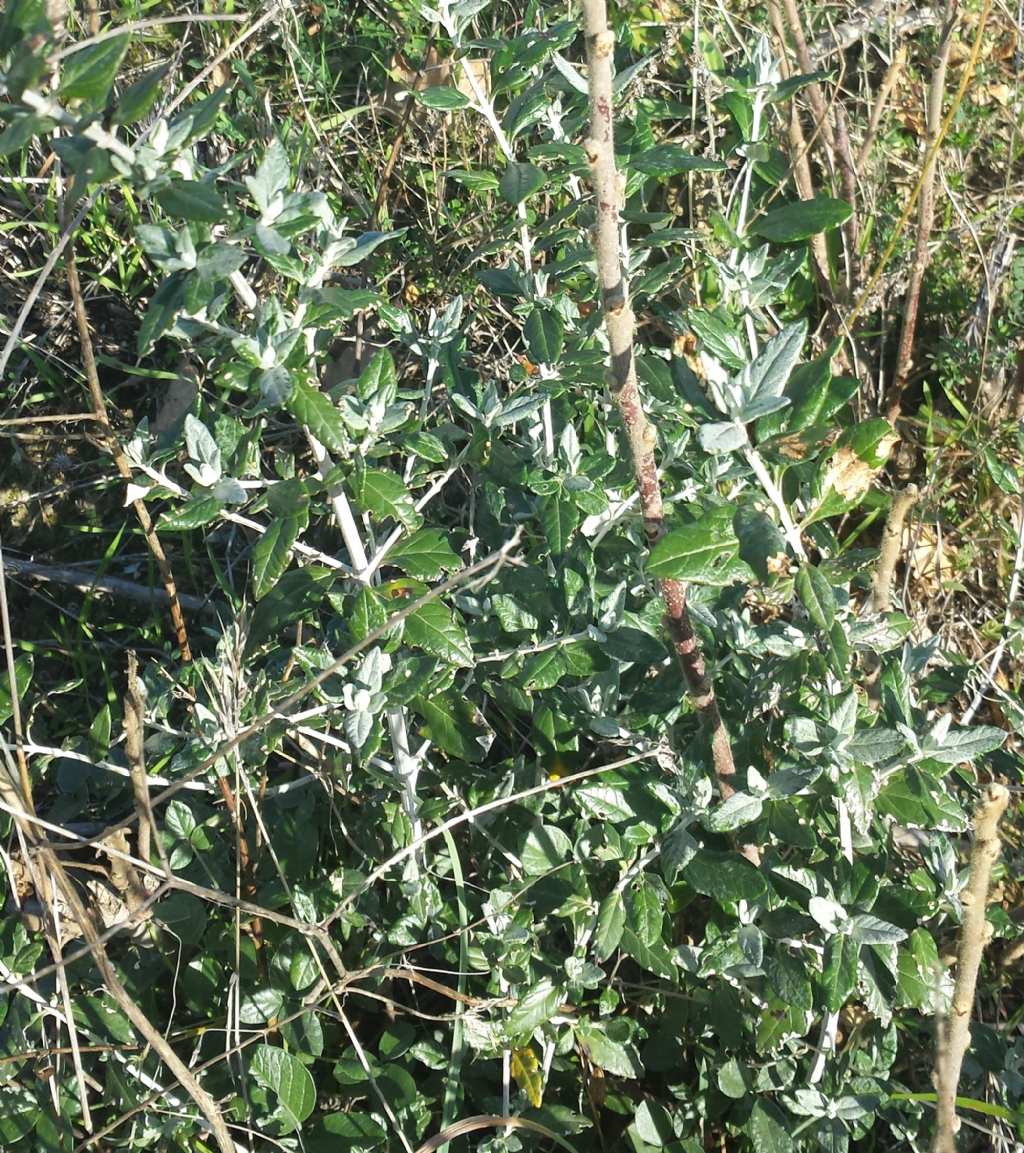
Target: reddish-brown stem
(620,326)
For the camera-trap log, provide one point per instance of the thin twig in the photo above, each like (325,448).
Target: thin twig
(119,457)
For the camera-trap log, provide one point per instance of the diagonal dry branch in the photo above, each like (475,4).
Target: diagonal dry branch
(620,325)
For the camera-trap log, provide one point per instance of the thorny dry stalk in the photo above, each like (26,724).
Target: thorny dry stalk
(954,1033)
(925,211)
(620,325)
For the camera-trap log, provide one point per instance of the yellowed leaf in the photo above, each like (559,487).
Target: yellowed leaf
(527,1075)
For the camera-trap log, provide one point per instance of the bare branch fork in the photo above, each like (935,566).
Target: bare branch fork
(620,325)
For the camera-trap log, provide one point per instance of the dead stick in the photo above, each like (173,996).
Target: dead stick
(620,326)
(955,1032)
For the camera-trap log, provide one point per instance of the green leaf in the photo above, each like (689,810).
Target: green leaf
(559,516)
(501,281)
(655,957)
(768,373)
(294,596)
(425,554)
(963,744)
(22,130)
(611,920)
(272,178)
(619,1058)
(316,411)
(768,1130)
(761,544)
(384,494)
(669,159)
(286,1076)
(801,219)
(138,98)
(734,812)
(653,1124)
(520,181)
(816,595)
(788,977)
(194,513)
(455,725)
(546,848)
(23,669)
(645,909)
(434,628)
(734,1080)
(545,335)
(703,552)
(538,1005)
(161,312)
(724,876)
(918,800)
(345,1133)
(475,181)
(193,200)
(441,98)
(89,74)
(839,976)
(919,971)
(272,553)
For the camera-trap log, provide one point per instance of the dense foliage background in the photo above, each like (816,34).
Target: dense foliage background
(338,682)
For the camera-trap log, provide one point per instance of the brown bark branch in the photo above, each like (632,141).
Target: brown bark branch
(620,326)
(954,1034)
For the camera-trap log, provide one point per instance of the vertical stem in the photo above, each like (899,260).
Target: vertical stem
(954,1034)
(925,213)
(620,326)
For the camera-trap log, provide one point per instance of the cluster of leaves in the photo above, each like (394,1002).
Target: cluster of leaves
(621,963)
